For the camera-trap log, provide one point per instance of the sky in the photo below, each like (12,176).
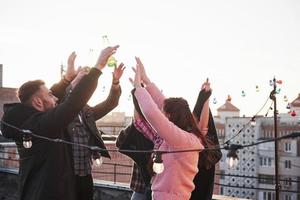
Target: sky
(237,44)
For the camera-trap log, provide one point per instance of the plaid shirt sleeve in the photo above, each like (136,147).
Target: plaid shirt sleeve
(142,126)
(137,183)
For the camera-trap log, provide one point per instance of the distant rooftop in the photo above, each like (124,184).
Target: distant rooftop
(228,106)
(296,102)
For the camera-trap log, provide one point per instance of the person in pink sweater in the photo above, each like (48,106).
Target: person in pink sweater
(172,119)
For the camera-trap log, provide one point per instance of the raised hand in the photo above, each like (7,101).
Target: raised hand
(71,72)
(144,76)
(104,55)
(136,82)
(118,72)
(206,86)
(80,73)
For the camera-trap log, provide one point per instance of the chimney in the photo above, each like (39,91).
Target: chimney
(1,75)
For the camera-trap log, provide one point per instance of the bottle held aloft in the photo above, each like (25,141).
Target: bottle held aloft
(111,62)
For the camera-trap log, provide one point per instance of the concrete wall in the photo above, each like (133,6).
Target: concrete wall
(102,190)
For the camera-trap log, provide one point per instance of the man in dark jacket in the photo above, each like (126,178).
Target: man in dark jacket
(83,130)
(46,169)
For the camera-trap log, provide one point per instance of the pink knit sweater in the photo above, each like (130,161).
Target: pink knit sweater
(176,181)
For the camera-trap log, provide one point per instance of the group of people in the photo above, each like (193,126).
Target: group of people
(56,171)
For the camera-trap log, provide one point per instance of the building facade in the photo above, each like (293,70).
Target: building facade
(253,176)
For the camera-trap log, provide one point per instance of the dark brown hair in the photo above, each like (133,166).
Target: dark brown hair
(28,89)
(180,114)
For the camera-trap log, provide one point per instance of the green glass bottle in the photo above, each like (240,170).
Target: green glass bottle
(111,62)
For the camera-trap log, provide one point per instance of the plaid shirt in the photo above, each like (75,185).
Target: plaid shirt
(144,127)
(137,182)
(81,155)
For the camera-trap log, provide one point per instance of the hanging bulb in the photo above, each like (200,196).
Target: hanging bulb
(293,113)
(111,62)
(257,88)
(253,122)
(285,99)
(98,161)
(27,141)
(158,165)
(214,101)
(243,93)
(279,82)
(278,91)
(232,159)
(271,83)
(288,106)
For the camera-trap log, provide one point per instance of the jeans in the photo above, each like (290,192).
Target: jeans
(138,196)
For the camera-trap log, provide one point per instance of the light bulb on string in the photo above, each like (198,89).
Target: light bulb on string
(253,122)
(27,141)
(278,90)
(214,101)
(288,106)
(158,165)
(257,88)
(243,93)
(98,161)
(293,113)
(285,99)
(271,82)
(279,82)
(232,159)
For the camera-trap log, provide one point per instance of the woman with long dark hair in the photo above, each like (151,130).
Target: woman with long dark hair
(173,121)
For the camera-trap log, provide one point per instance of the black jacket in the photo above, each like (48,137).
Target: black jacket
(46,169)
(204,179)
(131,139)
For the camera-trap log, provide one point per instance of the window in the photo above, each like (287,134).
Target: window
(287,197)
(287,181)
(268,196)
(287,164)
(287,147)
(221,190)
(265,161)
(266,179)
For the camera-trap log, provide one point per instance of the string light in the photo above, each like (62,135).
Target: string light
(232,158)
(27,141)
(271,83)
(278,90)
(288,106)
(214,101)
(293,113)
(257,88)
(253,122)
(285,99)
(158,165)
(98,161)
(279,82)
(243,93)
